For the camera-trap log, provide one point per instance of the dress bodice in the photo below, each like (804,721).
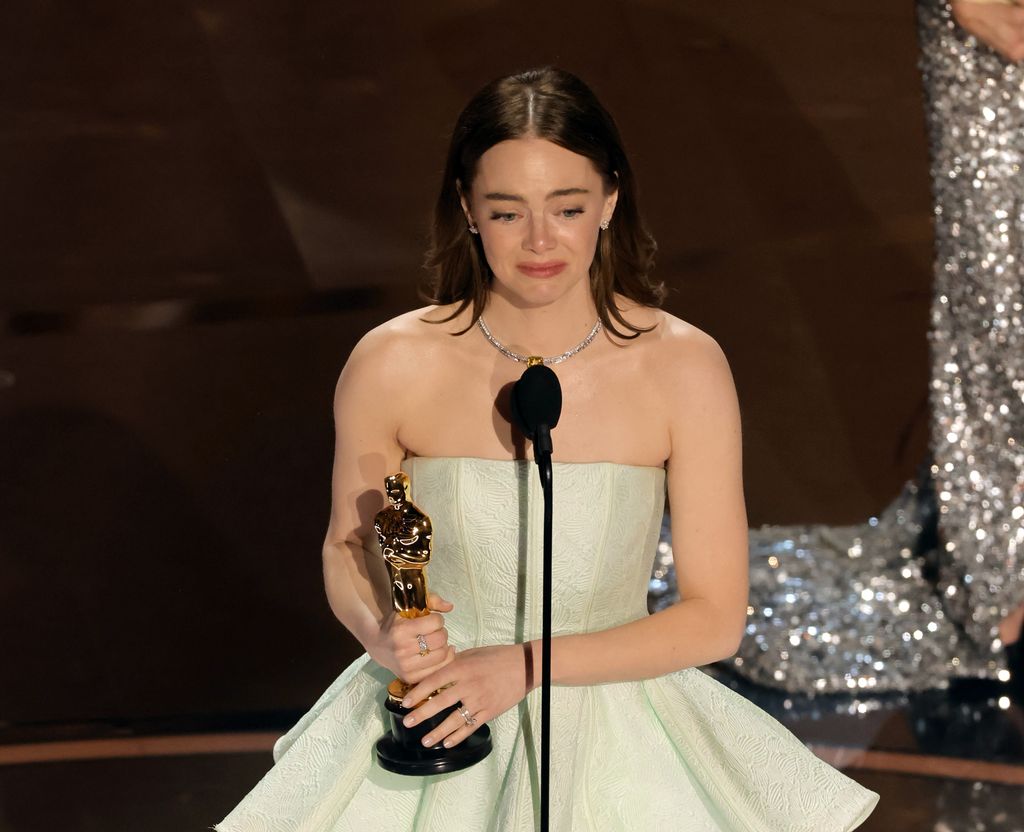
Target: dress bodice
(487,519)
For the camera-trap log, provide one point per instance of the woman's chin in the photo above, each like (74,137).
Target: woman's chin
(532,293)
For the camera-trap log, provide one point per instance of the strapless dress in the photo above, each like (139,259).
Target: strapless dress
(680,751)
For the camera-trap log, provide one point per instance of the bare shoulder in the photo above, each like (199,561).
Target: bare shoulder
(392,357)
(675,347)
(390,345)
(404,334)
(696,349)
(697,380)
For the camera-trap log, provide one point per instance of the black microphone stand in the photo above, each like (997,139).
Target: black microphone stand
(536,405)
(542,456)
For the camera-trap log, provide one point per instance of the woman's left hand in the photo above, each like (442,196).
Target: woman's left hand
(488,680)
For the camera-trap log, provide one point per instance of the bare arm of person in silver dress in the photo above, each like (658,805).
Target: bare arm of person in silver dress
(997,23)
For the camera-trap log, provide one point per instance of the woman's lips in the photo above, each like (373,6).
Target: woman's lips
(541,269)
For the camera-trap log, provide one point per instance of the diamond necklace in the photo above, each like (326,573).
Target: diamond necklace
(532,360)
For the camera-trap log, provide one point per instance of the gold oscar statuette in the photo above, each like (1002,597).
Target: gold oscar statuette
(405,536)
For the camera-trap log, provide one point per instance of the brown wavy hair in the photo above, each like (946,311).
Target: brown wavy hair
(555,105)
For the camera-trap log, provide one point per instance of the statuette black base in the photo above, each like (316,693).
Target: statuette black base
(401,750)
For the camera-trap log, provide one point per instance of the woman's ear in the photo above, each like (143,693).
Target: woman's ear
(465,204)
(610,202)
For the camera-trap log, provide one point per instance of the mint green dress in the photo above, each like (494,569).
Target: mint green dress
(679,752)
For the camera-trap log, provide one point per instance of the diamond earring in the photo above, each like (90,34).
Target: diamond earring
(473,229)
(605,224)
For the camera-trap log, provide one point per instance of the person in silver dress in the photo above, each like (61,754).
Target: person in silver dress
(879,607)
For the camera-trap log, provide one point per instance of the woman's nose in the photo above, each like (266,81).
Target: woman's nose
(538,235)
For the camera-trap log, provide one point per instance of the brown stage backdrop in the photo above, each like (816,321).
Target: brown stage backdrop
(205,204)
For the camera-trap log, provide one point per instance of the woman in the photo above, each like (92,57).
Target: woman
(973,82)
(857,607)
(539,250)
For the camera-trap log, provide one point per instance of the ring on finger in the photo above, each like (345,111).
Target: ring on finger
(421,642)
(466,715)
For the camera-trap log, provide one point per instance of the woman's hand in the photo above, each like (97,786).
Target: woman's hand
(398,646)
(488,680)
(999,25)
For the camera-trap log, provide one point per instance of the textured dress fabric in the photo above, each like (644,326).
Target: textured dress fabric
(678,752)
(855,608)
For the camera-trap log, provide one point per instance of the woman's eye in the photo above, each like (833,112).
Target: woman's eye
(571,213)
(506,217)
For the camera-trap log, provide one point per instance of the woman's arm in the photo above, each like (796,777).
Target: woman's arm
(997,23)
(370,394)
(709,537)
(365,452)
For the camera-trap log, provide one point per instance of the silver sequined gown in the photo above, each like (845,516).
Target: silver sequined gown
(862,607)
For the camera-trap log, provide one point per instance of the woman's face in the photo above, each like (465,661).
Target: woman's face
(539,208)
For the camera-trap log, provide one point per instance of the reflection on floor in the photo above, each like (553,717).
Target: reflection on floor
(941,763)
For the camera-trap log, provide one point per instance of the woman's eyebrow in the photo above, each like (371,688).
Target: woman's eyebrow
(498,196)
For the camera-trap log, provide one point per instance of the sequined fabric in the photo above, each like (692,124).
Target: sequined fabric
(976,121)
(872,608)
(845,608)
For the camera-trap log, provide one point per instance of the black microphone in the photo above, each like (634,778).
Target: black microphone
(536,405)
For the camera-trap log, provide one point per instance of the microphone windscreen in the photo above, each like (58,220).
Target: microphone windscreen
(536,400)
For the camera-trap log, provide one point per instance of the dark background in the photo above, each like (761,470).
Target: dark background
(204,205)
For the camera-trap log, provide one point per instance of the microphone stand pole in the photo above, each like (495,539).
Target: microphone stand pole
(542,453)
